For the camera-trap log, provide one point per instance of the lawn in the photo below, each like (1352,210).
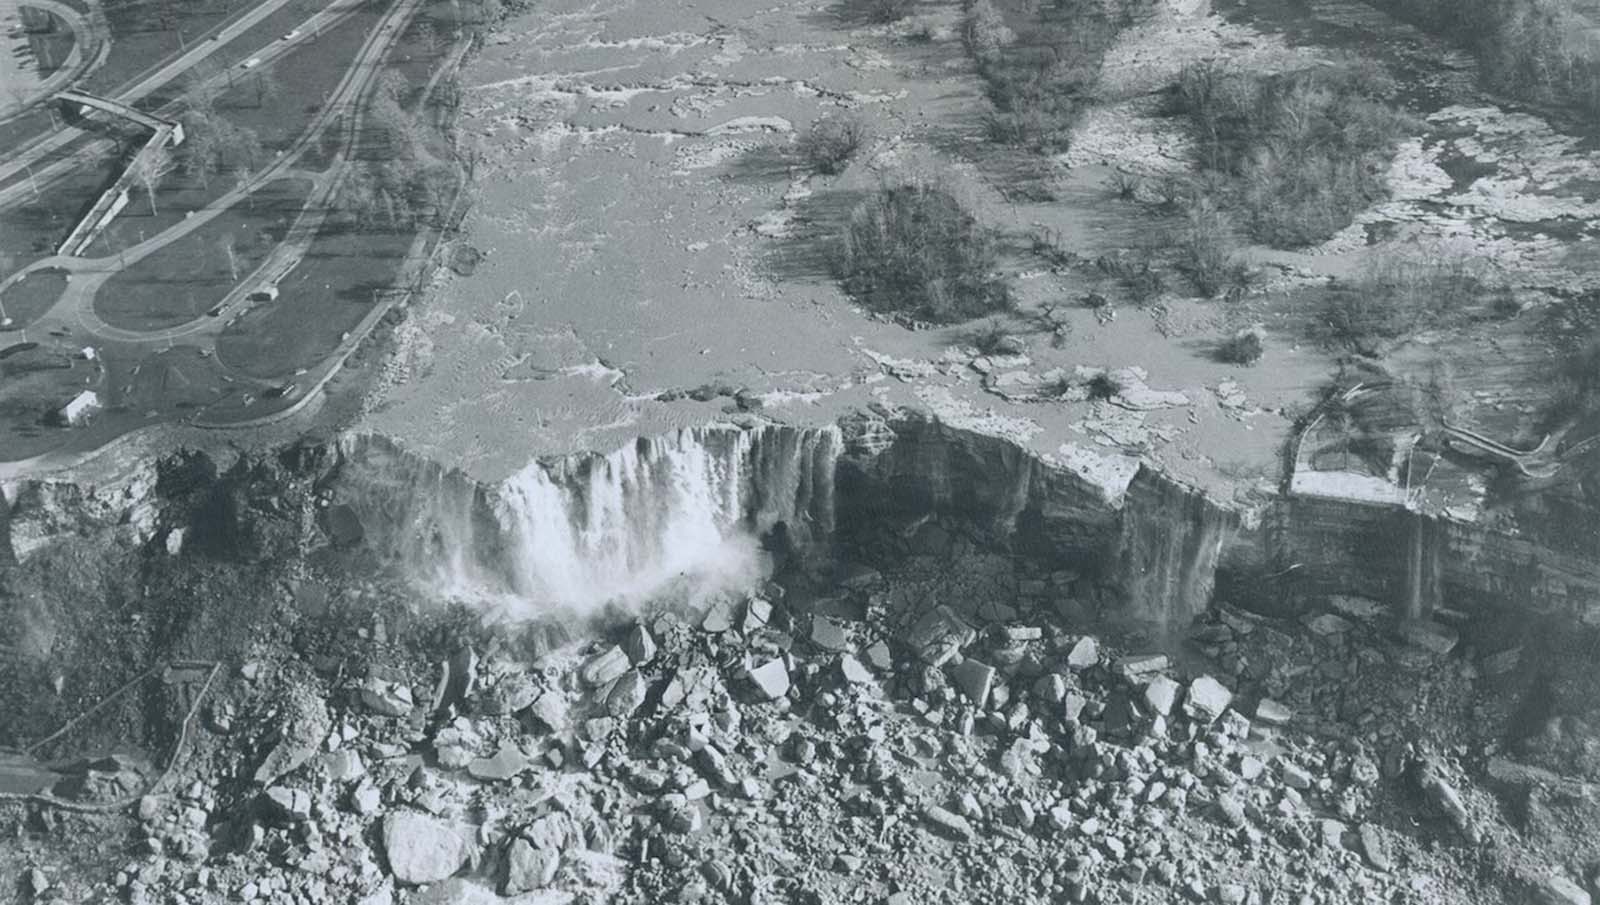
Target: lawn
(276,103)
(25,300)
(186,278)
(327,295)
(32,230)
(144,33)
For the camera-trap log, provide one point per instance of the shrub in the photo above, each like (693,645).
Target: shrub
(1126,185)
(886,11)
(913,248)
(1103,386)
(1206,246)
(1529,49)
(1042,76)
(1298,153)
(992,338)
(1136,273)
(1397,295)
(984,29)
(1243,348)
(831,141)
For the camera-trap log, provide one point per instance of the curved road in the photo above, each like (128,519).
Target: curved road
(76,305)
(32,153)
(76,65)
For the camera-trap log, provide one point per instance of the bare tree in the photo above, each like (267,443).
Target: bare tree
(266,87)
(229,248)
(150,168)
(428,36)
(241,178)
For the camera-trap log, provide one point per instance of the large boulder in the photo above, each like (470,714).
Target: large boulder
(422,848)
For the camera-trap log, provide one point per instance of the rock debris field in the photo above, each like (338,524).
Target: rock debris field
(777,746)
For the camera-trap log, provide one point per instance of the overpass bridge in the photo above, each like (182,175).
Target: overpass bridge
(111,202)
(115,108)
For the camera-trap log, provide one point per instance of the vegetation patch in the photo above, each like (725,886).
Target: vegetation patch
(183,280)
(1534,50)
(914,249)
(1041,63)
(831,141)
(1398,295)
(26,299)
(1299,154)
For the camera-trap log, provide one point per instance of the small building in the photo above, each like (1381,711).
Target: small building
(87,353)
(80,408)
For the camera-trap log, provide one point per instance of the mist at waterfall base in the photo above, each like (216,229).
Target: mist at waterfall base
(681,515)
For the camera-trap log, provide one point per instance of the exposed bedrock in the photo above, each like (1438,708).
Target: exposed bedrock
(726,499)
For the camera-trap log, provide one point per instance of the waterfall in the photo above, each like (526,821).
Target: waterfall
(1172,537)
(579,531)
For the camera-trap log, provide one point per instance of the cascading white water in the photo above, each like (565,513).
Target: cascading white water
(585,530)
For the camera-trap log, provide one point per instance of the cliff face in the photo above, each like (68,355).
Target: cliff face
(584,529)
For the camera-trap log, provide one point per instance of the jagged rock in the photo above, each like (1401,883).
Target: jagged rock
(507,762)
(948,822)
(627,695)
(939,635)
(1161,694)
(1084,654)
(306,723)
(975,680)
(1375,847)
(1140,665)
(606,666)
(551,709)
(35,883)
(1050,689)
(1272,713)
(853,671)
(719,618)
(757,615)
(1446,798)
(343,765)
(421,848)
(513,693)
(293,805)
(529,868)
(386,698)
(1229,894)
(639,645)
(1328,624)
(1295,776)
(829,635)
(771,679)
(1207,699)
(878,656)
(458,891)
(1558,890)
(457,679)
(1430,636)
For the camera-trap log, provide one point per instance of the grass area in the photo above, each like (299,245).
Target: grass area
(25,300)
(1529,49)
(32,230)
(35,382)
(146,32)
(1296,155)
(186,278)
(914,249)
(1040,63)
(326,296)
(263,114)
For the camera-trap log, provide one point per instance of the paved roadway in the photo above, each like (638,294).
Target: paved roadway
(20,160)
(76,306)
